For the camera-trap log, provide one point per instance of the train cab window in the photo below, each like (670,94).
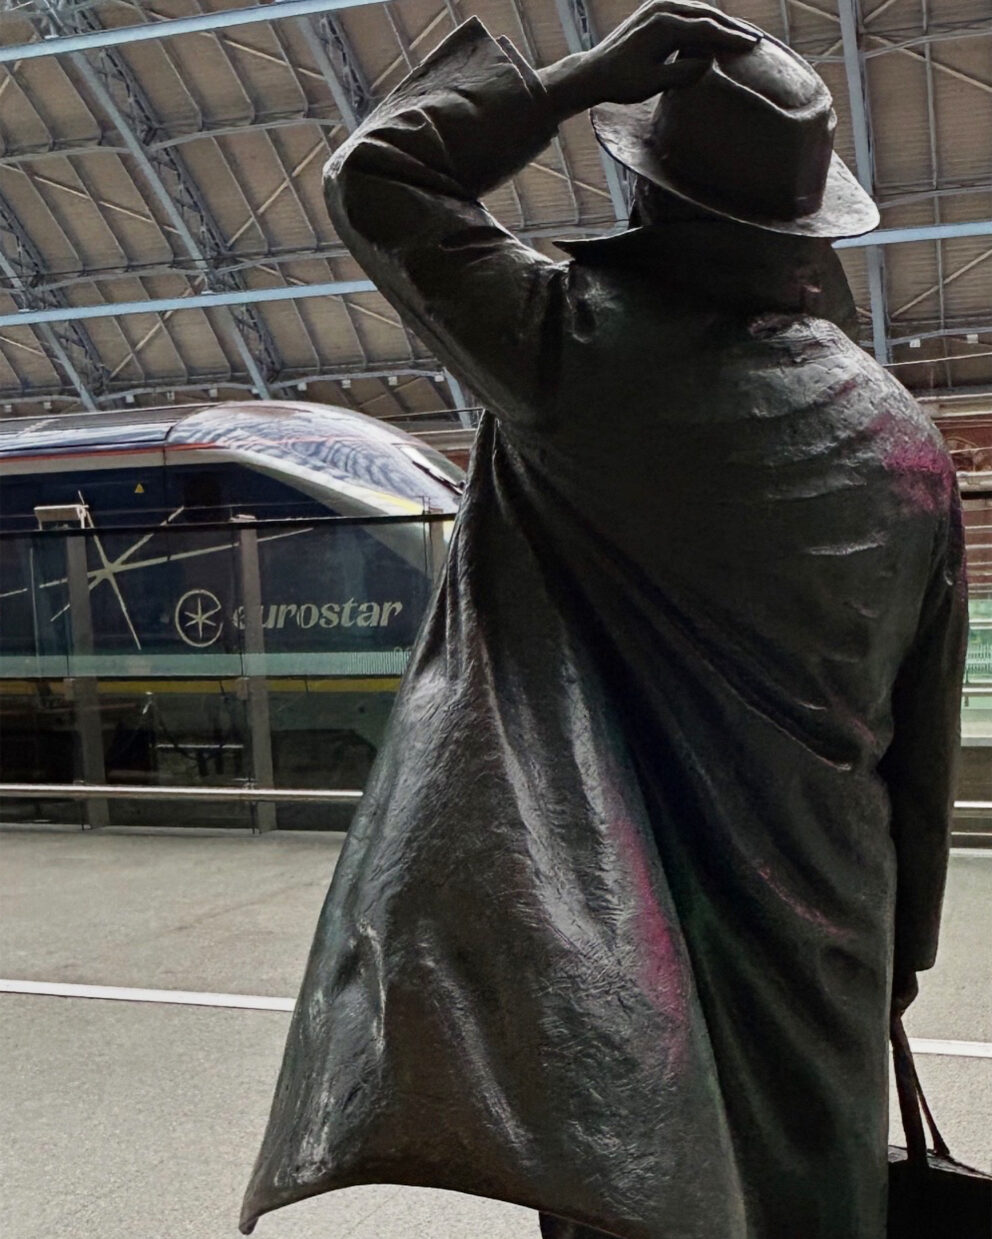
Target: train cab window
(125,496)
(436,466)
(202,495)
(212,492)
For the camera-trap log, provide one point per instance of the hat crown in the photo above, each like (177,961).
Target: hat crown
(785,80)
(754,133)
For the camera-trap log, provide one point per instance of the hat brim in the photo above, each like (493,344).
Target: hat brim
(846,210)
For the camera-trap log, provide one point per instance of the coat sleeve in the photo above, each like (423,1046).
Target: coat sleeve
(921,763)
(403,194)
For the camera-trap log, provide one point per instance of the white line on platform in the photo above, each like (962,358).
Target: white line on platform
(957,1049)
(183,998)
(262,1002)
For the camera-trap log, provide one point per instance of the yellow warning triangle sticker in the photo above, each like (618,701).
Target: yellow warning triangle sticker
(139,489)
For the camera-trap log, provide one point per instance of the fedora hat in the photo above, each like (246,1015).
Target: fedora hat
(751,141)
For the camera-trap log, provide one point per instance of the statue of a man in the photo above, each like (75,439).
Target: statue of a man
(664,803)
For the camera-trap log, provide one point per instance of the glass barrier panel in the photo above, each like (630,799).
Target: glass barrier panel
(159,601)
(975,772)
(170,668)
(326,732)
(39,741)
(35,622)
(202,654)
(168,732)
(340,608)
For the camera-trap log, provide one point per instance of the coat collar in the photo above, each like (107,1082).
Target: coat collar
(744,269)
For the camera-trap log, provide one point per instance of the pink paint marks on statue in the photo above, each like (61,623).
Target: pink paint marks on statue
(661,958)
(923,472)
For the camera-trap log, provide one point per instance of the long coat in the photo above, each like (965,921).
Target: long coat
(668,780)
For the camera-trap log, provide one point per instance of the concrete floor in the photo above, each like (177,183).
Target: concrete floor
(122,1119)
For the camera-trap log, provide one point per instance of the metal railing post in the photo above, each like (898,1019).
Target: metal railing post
(85,693)
(256,687)
(437,549)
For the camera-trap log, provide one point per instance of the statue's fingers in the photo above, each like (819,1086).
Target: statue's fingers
(654,10)
(659,12)
(704,32)
(692,11)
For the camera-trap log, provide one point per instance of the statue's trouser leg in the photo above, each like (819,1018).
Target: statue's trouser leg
(556,1228)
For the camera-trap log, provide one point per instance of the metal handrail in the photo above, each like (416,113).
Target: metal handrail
(126,791)
(232,525)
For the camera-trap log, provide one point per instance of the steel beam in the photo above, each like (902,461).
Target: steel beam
(122,100)
(896,196)
(257,123)
(580,36)
(197,301)
(200,23)
(341,69)
(17,155)
(922,232)
(337,62)
(13,156)
(858,94)
(255,260)
(426,369)
(248,260)
(460,401)
(289,386)
(897,43)
(935,172)
(946,333)
(344,288)
(70,349)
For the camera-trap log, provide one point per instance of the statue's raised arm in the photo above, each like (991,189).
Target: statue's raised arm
(404,190)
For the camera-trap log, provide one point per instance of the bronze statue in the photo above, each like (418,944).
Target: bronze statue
(665,797)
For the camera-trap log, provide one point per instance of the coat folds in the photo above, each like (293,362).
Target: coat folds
(667,782)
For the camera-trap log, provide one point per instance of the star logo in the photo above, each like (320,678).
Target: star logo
(198,618)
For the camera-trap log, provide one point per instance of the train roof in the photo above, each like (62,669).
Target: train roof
(364,465)
(157,426)
(26,435)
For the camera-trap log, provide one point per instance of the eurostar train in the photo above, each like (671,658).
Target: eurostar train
(347,521)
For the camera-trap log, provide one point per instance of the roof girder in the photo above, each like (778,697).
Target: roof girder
(122,100)
(580,36)
(865,167)
(199,23)
(65,342)
(338,288)
(904,41)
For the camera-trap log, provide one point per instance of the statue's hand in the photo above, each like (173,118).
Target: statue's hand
(905,988)
(632,64)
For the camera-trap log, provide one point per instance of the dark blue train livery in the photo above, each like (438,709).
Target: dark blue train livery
(331,524)
(165,493)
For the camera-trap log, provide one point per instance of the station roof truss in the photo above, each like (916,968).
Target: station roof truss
(163,234)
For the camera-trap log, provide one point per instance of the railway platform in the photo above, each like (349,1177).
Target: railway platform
(148,982)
